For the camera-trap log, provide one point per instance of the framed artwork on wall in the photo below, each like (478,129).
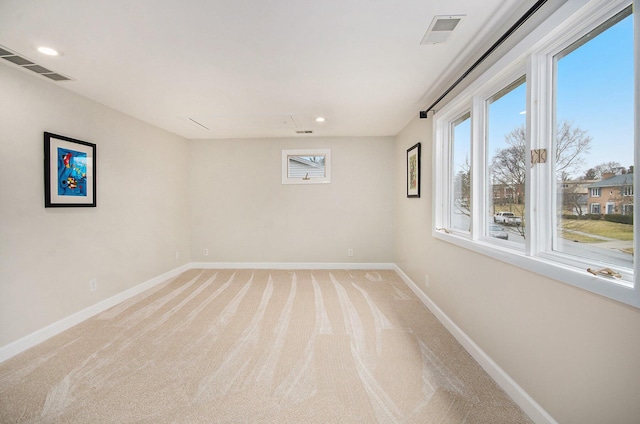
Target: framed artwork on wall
(69,172)
(413,171)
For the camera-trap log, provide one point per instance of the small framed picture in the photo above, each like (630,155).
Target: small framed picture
(69,172)
(413,171)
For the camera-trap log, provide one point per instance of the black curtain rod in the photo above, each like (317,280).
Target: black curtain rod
(507,34)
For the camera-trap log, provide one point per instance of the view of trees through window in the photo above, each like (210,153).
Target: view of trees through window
(534,162)
(593,150)
(594,86)
(506,162)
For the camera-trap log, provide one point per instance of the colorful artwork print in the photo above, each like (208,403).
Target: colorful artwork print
(72,173)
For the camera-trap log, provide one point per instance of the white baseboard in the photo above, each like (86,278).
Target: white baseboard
(519,396)
(517,393)
(289,265)
(58,327)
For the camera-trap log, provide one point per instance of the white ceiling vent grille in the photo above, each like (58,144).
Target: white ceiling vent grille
(16,59)
(440,28)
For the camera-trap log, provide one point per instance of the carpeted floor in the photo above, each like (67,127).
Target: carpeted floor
(257,346)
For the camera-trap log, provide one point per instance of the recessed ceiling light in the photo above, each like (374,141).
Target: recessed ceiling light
(320,119)
(48,51)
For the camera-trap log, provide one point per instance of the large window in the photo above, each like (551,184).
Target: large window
(546,180)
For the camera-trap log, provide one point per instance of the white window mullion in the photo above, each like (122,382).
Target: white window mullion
(636,177)
(541,188)
(447,166)
(441,182)
(478,175)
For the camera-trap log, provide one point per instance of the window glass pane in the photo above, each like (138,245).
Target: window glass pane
(594,144)
(461,173)
(506,155)
(306,167)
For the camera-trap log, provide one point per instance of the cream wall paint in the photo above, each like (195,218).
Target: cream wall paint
(241,211)
(574,352)
(48,256)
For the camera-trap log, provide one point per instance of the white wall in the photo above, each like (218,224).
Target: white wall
(574,352)
(241,211)
(48,256)
(150,185)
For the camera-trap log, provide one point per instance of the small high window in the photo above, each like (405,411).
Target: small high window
(309,166)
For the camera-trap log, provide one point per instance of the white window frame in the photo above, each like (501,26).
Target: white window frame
(532,57)
(451,192)
(310,179)
(595,192)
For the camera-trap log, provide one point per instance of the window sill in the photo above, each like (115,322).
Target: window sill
(618,290)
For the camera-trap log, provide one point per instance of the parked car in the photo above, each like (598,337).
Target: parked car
(507,218)
(498,232)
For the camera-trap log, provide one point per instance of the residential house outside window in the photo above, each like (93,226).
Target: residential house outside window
(614,192)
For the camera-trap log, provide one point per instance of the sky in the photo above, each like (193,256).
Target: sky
(595,91)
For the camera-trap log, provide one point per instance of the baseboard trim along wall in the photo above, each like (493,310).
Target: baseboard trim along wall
(289,265)
(58,327)
(526,402)
(517,393)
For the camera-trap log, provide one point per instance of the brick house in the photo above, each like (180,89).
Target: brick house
(505,194)
(613,194)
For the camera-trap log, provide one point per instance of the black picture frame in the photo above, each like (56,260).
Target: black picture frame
(413,171)
(69,172)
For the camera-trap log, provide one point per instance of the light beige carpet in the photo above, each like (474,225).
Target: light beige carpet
(257,346)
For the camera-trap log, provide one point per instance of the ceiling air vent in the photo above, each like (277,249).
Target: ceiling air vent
(440,28)
(16,59)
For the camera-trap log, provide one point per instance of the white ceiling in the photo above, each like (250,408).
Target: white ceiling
(252,68)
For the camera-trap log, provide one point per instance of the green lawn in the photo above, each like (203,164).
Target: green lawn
(568,235)
(602,228)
